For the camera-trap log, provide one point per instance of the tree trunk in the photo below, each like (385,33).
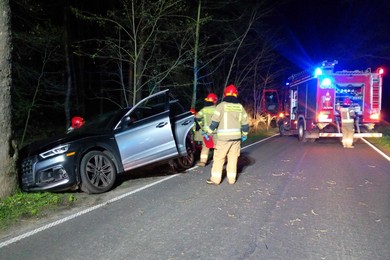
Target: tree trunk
(8,181)
(195,88)
(69,70)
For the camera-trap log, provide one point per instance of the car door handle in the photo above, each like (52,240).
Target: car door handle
(187,122)
(162,124)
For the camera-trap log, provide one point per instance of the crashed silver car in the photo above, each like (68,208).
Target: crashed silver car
(156,130)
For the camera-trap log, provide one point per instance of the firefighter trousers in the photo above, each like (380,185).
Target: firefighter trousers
(348,130)
(204,154)
(223,150)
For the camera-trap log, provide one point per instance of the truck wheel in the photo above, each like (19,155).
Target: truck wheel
(97,172)
(301,132)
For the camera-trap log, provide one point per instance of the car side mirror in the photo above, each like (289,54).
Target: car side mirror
(126,122)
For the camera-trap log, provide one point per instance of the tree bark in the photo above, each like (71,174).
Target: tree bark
(8,181)
(196,71)
(69,70)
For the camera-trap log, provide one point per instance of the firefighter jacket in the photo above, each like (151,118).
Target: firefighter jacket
(230,119)
(203,117)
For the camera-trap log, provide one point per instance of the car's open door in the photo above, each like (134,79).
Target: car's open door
(144,135)
(183,121)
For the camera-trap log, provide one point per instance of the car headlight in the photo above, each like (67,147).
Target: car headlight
(55,151)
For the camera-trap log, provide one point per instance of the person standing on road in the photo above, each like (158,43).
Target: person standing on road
(231,121)
(203,117)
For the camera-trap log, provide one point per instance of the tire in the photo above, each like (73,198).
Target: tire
(301,131)
(281,129)
(97,172)
(185,162)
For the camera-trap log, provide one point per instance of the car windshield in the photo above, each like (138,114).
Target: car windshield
(104,121)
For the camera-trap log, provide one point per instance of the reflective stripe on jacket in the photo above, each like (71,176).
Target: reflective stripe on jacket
(232,119)
(204,117)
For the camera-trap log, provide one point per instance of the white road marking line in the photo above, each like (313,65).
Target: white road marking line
(55,223)
(376,149)
(262,140)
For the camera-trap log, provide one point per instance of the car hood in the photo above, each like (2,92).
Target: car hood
(49,143)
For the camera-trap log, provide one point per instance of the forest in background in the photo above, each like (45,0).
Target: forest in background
(87,57)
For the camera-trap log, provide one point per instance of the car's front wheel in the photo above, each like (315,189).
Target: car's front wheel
(97,172)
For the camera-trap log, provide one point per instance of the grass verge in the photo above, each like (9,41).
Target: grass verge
(29,205)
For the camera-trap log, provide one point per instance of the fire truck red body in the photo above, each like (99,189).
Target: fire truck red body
(313,99)
(270,102)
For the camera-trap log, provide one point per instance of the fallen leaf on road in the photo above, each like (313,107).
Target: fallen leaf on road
(292,221)
(367,182)
(312,212)
(363,204)
(278,174)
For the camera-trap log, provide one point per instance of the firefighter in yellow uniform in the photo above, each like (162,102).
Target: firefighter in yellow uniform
(203,118)
(347,122)
(231,122)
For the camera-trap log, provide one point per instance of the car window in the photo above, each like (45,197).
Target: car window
(175,108)
(103,121)
(147,108)
(155,105)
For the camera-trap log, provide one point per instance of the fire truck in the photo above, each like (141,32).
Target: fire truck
(270,102)
(314,97)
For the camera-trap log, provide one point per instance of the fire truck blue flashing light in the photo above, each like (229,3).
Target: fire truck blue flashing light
(317,72)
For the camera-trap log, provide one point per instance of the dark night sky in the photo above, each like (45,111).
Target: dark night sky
(342,30)
(317,29)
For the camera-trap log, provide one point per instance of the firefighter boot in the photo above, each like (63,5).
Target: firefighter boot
(231,181)
(201,164)
(215,179)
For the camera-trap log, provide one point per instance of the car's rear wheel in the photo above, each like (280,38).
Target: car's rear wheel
(281,129)
(185,162)
(97,172)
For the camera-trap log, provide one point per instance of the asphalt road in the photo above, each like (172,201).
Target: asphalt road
(291,201)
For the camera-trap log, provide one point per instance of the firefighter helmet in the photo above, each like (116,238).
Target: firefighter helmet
(211,98)
(347,101)
(77,122)
(230,90)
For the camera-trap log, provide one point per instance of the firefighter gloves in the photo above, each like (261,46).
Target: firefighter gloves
(205,135)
